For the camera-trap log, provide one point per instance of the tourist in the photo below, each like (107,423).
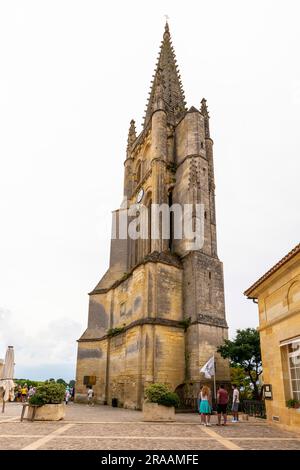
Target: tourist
(31,391)
(19,393)
(24,392)
(198,405)
(67,395)
(235,404)
(90,396)
(205,407)
(222,401)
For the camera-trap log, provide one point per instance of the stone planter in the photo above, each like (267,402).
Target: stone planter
(47,412)
(156,412)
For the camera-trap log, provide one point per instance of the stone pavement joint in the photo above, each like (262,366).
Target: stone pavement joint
(222,440)
(36,444)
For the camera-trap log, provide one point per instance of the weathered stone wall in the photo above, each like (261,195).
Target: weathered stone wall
(123,363)
(203,288)
(139,356)
(91,361)
(202,342)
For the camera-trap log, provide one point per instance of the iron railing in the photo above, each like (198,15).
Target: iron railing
(256,408)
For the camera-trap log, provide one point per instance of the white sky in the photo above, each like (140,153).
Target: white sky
(72,75)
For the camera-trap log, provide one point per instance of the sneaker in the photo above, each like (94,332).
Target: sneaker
(234,421)
(208,424)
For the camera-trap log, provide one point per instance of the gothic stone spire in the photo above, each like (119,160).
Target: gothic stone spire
(166,85)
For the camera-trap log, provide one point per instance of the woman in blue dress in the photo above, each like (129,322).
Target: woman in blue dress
(205,408)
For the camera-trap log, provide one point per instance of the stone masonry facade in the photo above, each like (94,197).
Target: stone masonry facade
(158,313)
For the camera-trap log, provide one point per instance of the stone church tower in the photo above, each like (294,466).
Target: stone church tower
(158,313)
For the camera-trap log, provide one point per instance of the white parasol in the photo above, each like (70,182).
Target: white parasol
(6,381)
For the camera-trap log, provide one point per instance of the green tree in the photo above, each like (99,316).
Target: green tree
(61,381)
(244,352)
(242,381)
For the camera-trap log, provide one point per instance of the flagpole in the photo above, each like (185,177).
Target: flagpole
(215,387)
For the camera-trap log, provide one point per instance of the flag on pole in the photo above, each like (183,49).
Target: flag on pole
(209,368)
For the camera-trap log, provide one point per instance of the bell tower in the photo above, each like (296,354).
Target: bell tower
(158,313)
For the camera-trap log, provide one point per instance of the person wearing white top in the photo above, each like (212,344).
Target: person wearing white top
(90,395)
(235,404)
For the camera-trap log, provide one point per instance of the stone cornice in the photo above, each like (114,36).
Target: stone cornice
(155,257)
(212,320)
(203,319)
(141,321)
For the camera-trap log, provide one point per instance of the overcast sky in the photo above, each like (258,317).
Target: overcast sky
(72,75)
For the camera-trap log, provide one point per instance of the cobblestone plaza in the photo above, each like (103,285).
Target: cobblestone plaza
(106,428)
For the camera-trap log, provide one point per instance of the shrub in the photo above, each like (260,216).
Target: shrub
(50,393)
(161,394)
(293,403)
(169,399)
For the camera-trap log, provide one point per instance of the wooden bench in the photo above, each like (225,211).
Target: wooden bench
(24,405)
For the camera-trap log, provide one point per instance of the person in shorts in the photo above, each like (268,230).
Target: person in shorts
(222,402)
(235,404)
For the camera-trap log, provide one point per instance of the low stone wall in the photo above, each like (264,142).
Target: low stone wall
(47,412)
(156,412)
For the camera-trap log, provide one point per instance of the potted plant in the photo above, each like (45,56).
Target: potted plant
(49,400)
(160,403)
(293,403)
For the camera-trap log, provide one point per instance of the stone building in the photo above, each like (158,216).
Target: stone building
(158,313)
(278,295)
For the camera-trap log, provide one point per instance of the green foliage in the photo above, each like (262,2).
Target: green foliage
(29,383)
(185,323)
(61,381)
(169,399)
(161,394)
(244,352)
(293,403)
(115,331)
(242,381)
(72,383)
(50,393)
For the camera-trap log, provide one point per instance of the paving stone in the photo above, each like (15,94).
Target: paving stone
(159,444)
(89,424)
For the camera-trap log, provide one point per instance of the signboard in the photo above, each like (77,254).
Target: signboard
(268,392)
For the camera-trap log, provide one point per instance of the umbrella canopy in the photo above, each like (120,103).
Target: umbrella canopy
(6,382)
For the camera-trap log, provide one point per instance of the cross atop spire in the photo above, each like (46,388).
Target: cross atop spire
(166,84)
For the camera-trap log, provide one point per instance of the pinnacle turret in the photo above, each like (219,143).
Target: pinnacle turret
(205,114)
(131,135)
(166,90)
